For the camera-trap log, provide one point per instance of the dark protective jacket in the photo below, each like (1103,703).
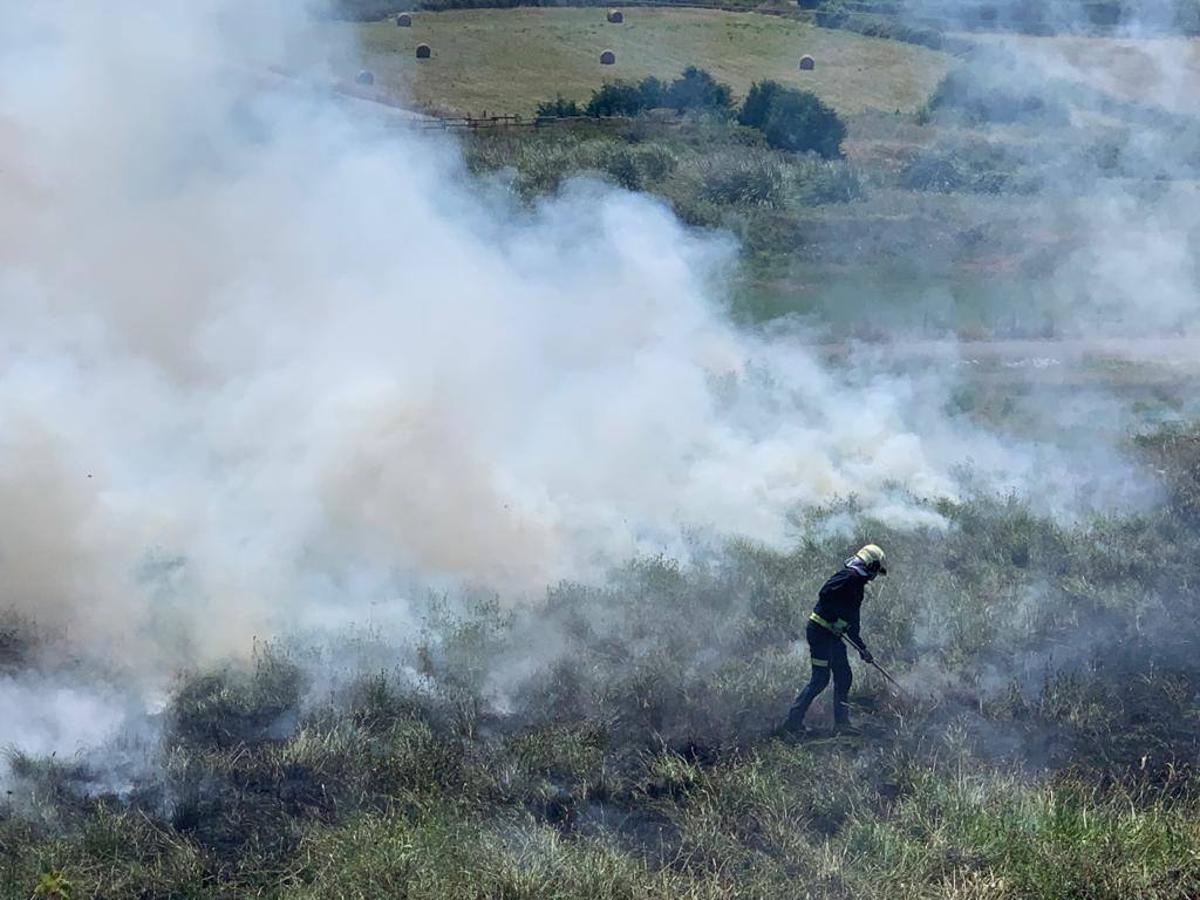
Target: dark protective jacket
(840,602)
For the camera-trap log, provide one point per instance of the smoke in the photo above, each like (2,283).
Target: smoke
(264,364)
(1107,125)
(259,358)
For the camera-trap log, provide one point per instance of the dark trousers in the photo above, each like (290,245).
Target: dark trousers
(828,654)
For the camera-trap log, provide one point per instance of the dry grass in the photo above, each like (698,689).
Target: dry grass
(507,61)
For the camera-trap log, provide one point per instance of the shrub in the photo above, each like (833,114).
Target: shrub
(798,120)
(559,108)
(19,640)
(892,30)
(229,707)
(655,161)
(697,90)
(616,98)
(757,104)
(833,15)
(694,90)
(973,167)
(619,162)
(977,94)
(819,182)
(736,178)
(653,92)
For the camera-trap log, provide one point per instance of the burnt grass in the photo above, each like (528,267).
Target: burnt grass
(615,740)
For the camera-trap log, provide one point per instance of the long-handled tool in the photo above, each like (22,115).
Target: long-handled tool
(878,668)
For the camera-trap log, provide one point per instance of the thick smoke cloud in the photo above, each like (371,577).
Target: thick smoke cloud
(258,358)
(262,362)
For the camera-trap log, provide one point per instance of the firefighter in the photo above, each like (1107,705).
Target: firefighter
(836,614)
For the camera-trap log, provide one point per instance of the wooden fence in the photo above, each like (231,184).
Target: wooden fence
(487,123)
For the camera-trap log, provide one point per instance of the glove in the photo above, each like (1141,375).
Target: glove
(866,655)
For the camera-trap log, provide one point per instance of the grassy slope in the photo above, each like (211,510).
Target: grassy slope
(507,61)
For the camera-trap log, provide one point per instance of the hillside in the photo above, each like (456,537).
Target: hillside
(507,61)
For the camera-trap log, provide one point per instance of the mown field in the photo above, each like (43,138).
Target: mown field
(508,61)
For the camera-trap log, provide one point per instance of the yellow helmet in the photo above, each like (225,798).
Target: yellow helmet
(872,557)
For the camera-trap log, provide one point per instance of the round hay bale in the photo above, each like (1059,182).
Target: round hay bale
(615,16)
(423,51)
(807,64)
(365,77)
(404,20)
(607,58)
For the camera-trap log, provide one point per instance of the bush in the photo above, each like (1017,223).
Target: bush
(696,90)
(231,707)
(559,108)
(616,98)
(692,91)
(653,92)
(742,179)
(972,167)
(819,182)
(976,94)
(798,120)
(654,161)
(540,162)
(757,104)
(833,15)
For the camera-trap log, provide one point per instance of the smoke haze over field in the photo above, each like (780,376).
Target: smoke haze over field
(260,362)
(1124,199)
(254,355)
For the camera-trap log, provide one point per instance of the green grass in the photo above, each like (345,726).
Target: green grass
(507,61)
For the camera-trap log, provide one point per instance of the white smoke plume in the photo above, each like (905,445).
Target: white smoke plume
(260,359)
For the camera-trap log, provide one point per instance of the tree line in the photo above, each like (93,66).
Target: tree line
(789,119)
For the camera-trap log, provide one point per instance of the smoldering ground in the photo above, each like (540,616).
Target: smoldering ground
(263,367)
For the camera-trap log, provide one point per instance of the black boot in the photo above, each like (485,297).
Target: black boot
(793,726)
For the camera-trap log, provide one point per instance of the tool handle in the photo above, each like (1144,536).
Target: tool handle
(878,668)
(884,672)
